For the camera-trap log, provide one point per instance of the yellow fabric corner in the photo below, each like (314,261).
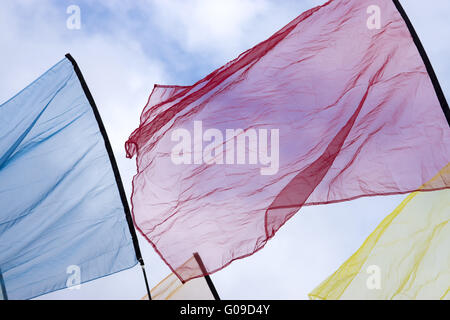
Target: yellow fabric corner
(171,288)
(406,257)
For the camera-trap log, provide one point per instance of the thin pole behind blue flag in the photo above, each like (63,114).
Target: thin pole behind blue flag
(2,287)
(114,168)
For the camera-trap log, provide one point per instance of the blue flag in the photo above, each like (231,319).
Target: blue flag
(63,211)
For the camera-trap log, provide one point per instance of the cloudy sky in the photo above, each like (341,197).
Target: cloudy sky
(125,47)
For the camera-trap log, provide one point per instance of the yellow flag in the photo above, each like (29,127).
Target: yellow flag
(406,257)
(171,288)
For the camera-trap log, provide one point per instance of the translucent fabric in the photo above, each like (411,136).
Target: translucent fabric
(330,108)
(3,295)
(406,257)
(171,288)
(62,221)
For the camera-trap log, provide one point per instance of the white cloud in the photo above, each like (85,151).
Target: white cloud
(223,29)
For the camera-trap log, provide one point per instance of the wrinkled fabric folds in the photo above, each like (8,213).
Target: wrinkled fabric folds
(62,221)
(347,110)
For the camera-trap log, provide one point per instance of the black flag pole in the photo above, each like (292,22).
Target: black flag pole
(426,61)
(3,287)
(207,277)
(115,168)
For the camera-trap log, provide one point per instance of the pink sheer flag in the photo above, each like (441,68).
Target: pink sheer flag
(339,104)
